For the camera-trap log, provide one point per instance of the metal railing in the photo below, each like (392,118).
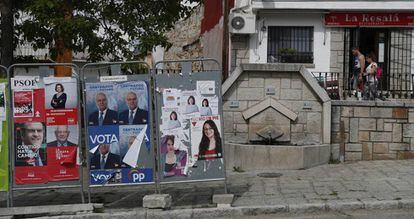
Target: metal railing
(396,86)
(330,82)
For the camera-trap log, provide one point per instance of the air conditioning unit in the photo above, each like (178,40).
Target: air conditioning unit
(242,23)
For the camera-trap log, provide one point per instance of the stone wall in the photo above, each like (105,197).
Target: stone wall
(337,54)
(337,49)
(185,38)
(239,50)
(374,130)
(290,89)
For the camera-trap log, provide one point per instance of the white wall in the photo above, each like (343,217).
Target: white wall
(321,43)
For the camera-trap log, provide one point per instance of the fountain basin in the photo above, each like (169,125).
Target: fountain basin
(251,157)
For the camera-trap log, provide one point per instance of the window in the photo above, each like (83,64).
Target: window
(290,45)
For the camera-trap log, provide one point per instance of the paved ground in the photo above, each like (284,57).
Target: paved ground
(368,184)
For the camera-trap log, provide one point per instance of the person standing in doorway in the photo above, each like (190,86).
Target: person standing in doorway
(371,72)
(358,71)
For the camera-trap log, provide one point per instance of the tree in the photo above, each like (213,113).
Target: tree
(7,33)
(101,28)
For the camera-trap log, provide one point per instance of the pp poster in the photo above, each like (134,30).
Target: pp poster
(4,149)
(119,132)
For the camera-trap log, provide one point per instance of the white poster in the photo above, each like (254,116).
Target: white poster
(2,102)
(206,87)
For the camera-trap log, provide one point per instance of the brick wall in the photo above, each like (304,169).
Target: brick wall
(374,130)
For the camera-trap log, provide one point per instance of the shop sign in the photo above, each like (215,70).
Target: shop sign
(369,19)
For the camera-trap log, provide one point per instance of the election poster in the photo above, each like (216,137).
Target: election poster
(61,100)
(119,131)
(45,130)
(206,143)
(4,149)
(3,103)
(190,142)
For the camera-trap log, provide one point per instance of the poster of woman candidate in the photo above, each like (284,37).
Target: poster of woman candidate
(61,100)
(206,138)
(119,132)
(191,142)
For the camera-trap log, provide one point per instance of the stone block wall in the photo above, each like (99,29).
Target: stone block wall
(374,130)
(185,39)
(291,90)
(239,50)
(337,54)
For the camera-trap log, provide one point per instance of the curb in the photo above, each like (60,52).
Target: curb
(246,210)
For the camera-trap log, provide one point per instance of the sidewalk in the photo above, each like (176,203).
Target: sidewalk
(359,185)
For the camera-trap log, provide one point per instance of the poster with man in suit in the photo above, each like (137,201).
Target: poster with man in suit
(133,103)
(101,104)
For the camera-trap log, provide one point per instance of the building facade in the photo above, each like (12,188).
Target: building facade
(322,33)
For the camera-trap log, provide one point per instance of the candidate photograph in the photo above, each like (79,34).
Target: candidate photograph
(30,144)
(60,95)
(103,158)
(132,115)
(62,136)
(102,115)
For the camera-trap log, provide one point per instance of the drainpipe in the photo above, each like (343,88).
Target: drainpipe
(225,48)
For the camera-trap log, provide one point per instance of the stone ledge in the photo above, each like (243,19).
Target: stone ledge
(276,157)
(223,200)
(162,201)
(281,67)
(233,212)
(266,103)
(49,210)
(378,103)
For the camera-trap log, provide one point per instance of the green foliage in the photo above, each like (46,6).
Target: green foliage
(102,28)
(286,51)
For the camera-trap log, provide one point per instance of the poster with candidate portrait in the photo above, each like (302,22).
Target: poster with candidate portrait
(61,100)
(4,147)
(206,138)
(46,138)
(101,104)
(119,143)
(189,119)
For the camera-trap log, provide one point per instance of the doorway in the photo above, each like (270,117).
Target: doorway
(369,41)
(394,50)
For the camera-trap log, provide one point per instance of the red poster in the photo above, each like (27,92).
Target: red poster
(25,110)
(23,103)
(62,163)
(61,117)
(30,175)
(369,19)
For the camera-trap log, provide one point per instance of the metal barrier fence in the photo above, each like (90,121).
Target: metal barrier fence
(189,120)
(126,112)
(120,144)
(45,128)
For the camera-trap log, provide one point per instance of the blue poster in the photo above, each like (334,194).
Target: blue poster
(119,140)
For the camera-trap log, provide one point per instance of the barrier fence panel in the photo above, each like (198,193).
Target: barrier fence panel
(45,120)
(4,134)
(189,123)
(117,110)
